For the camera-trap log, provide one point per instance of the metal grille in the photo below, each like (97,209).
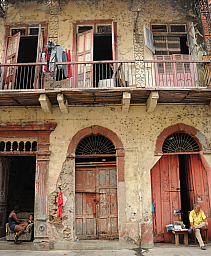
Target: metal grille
(180,142)
(94,145)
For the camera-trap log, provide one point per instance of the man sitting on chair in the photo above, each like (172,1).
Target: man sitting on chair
(198,221)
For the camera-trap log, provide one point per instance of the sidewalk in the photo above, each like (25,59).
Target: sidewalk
(160,249)
(167,249)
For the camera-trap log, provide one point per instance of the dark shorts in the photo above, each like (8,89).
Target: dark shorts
(12,226)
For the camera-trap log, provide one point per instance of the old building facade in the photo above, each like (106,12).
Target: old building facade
(125,136)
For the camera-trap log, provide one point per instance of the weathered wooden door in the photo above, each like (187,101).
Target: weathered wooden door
(84,73)
(4,178)
(165,195)
(185,74)
(197,183)
(96,203)
(10,57)
(164,71)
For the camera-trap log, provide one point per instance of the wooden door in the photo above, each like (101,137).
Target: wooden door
(165,195)
(106,195)
(84,74)
(4,179)
(38,69)
(197,183)
(164,71)
(11,57)
(185,74)
(96,203)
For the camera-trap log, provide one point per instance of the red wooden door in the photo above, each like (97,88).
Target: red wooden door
(11,57)
(84,72)
(197,183)
(165,195)
(96,203)
(4,179)
(185,74)
(164,71)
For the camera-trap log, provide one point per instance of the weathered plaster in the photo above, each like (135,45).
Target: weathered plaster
(138,132)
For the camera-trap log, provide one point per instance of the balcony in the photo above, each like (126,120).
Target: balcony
(178,81)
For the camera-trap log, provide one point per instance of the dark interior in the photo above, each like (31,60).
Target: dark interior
(102,51)
(185,201)
(21,183)
(183,45)
(27,54)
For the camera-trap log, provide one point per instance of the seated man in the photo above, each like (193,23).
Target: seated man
(15,224)
(198,221)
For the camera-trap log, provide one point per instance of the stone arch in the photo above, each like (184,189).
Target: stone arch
(124,231)
(95,130)
(196,134)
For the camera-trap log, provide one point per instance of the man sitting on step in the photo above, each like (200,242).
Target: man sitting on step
(198,221)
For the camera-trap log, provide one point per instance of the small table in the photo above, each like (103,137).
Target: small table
(175,234)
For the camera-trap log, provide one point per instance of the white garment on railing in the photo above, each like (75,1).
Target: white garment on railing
(56,54)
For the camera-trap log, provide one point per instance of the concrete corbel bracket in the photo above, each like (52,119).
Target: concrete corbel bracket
(45,103)
(152,101)
(126,101)
(63,103)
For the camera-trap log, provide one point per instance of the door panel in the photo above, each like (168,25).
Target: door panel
(184,72)
(164,71)
(197,183)
(165,195)
(85,203)
(96,203)
(11,57)
(4,179)
(107,213)
(84,74)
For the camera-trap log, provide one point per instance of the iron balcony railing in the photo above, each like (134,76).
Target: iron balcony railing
(106,74)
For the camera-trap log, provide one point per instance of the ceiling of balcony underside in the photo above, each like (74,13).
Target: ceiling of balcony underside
(106,96)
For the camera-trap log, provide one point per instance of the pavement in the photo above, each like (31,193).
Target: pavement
(160,249)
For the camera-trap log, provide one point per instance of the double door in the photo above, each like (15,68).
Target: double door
(166,190)
(96,202)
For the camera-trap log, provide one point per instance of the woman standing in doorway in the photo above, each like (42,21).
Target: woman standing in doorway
(15,224)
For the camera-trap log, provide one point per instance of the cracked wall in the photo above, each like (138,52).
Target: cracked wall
(138,131)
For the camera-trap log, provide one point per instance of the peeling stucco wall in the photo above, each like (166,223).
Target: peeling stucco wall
(138,131)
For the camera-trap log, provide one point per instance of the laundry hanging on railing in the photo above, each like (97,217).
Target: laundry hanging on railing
(55,53)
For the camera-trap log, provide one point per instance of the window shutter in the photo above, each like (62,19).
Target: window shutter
(149,41)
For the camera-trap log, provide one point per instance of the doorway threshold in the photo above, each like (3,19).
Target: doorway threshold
(95,245)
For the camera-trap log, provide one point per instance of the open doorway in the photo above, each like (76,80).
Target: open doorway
(21,186)
(27,54)
(17,186)
(185,200)
(102,51)
(95,42)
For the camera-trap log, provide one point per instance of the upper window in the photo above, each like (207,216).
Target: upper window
(170,39)
(25,30)
(169,28)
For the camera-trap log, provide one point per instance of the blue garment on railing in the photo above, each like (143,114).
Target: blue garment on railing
(56,54)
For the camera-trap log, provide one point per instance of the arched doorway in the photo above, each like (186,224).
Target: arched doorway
(96,189)
(119,161)
(179,179)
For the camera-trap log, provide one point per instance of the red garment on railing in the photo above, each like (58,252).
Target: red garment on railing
(60,204)
(69,67)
